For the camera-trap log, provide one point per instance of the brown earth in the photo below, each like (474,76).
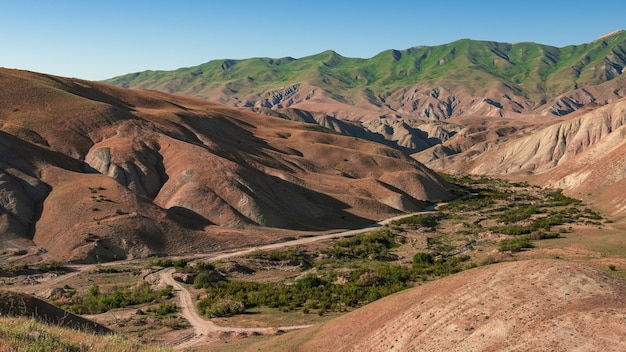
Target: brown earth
(582,154)
(535,305)
(91,172)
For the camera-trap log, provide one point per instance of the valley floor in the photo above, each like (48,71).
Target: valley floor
(484,227)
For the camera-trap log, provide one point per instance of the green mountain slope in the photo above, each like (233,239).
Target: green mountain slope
(462,77)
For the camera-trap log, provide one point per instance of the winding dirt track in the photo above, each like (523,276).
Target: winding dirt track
(306,240)
(203,328)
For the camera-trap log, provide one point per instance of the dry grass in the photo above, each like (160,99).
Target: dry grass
(24,334)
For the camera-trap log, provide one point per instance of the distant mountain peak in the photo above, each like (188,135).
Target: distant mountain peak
(519,78)
(617,31)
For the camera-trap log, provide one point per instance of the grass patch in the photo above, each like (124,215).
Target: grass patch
(25,334)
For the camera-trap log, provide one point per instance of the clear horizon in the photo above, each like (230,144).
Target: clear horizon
(99,40)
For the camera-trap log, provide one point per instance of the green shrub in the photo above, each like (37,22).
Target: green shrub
(95,301)
(52,266)
(518,214)
(418,220)
(221,308)
(422,259)
(310,281)
(203,266)
(179,263)
(164,309)
(557,198)
(162,262)
(544,235)
(202,280)
(515,244)
(276,255)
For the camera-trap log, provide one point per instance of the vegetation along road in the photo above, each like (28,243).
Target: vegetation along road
(203,328)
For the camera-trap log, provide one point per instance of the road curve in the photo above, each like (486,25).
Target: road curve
(203,327)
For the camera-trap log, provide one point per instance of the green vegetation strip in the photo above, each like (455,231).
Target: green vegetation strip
(364,268)
(95,301)
(371,278)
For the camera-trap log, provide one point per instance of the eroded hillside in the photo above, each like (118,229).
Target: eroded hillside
(96,172)
(583,154)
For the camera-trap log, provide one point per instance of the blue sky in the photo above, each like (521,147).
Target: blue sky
(104,38)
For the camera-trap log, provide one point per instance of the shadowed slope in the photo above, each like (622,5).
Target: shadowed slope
(97,172)
(21,305)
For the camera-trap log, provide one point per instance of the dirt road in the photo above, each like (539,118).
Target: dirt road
(307,240)
(203,328)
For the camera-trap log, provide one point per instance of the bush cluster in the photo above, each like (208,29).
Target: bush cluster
(515,244)
(430,221)
(307,293)
(163,309)
(373,245)
(167,262)
(95,301)
(333,292)
(518,214)
(277,256)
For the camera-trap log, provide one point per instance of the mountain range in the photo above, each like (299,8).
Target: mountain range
(465,77)
(550,115)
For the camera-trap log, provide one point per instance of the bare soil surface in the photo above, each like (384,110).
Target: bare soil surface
(535,305)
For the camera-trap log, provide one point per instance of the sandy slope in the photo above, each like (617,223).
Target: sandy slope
(537,305)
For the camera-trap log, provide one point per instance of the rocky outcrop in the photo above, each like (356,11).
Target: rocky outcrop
(144,173)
